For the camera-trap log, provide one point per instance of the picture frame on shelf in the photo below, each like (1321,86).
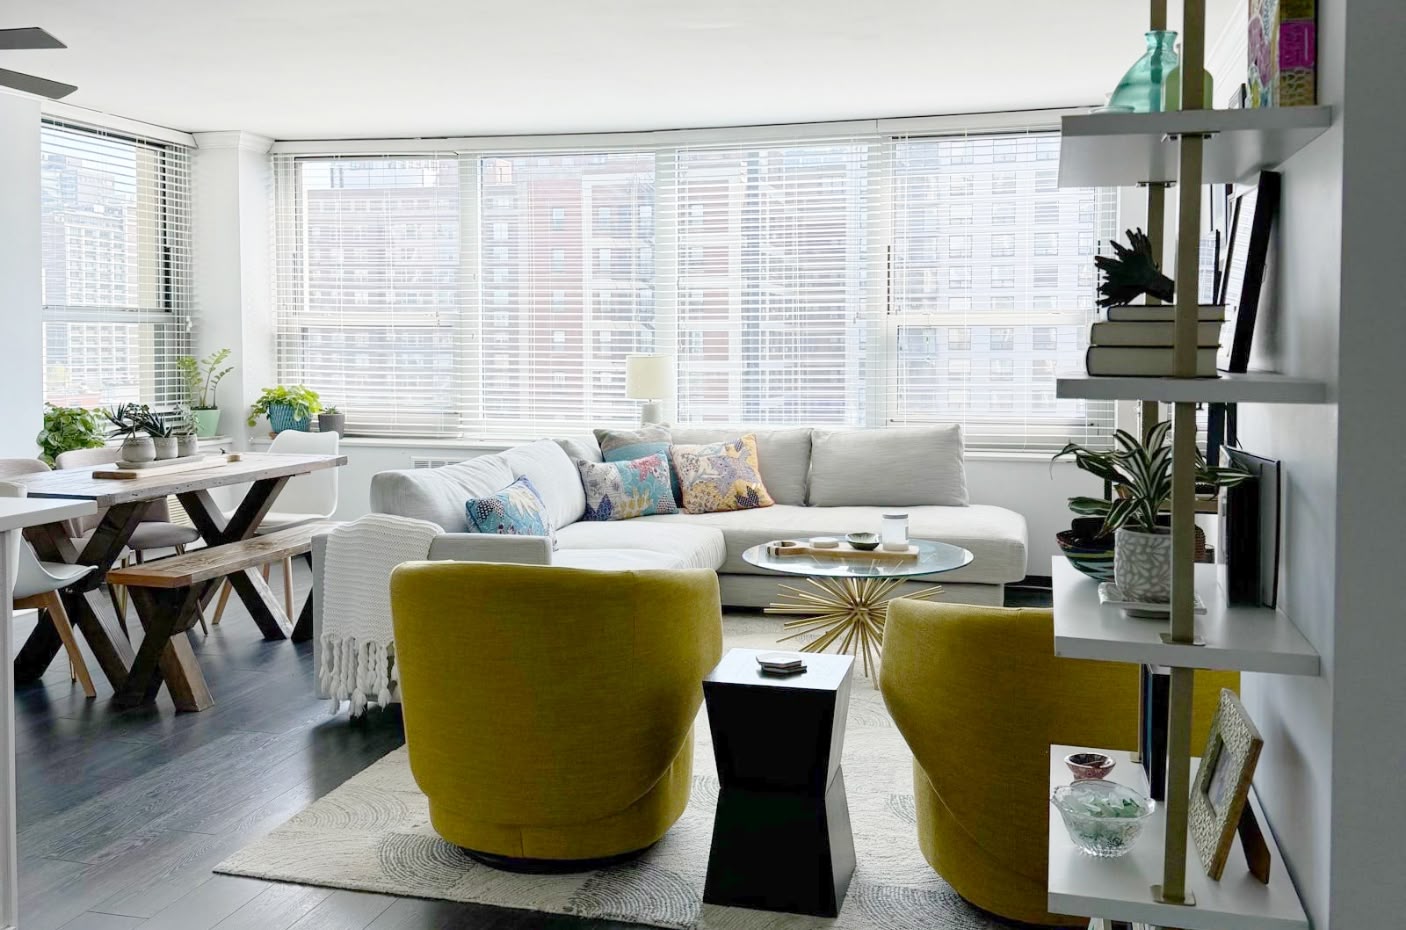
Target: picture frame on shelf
(1247,258)
(1222,786)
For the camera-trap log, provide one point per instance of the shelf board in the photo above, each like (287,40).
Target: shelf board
(1247,639)
(1255,387)
(1120,889)
(1123,149)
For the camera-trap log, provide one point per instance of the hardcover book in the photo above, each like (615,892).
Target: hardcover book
(1283,47)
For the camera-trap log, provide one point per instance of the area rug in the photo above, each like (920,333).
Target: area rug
(373,834)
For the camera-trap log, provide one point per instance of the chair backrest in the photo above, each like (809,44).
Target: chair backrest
(494,712)
(311,493)
(156,512)
(26,573)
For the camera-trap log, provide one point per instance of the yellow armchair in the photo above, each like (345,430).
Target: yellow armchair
(549,711)
(979,696)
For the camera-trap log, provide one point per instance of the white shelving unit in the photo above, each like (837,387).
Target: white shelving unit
(1246,639)
(1255,387)
(1117,888)
(1123,149)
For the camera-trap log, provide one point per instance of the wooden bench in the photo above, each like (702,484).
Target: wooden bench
(169,592)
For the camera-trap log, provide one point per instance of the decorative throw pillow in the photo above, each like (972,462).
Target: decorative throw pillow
(621,490)
(626,445)
(721,476)
(517,510)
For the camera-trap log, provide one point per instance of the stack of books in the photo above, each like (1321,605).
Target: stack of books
(1138,341)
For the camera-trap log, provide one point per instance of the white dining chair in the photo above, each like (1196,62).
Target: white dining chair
(313,495)
(156,530)
(38,583)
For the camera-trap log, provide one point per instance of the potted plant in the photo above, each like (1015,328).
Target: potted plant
(187,432)
(68,428)
(332,420)
(128,423)
(163,435)
(286,407)
(1141,475)
(203,377)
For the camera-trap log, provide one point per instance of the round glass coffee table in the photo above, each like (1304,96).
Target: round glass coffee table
(847,600)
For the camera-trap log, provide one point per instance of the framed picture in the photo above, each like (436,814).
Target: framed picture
(1251,221)
(1222,784)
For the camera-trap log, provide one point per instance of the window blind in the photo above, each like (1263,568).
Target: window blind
(993,289)
(370,282)
(566,288)
(116,267)
(773,267)
(860,280)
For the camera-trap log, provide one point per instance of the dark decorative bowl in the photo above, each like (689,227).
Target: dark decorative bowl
(1089,764)
(1092,557)
(865,542)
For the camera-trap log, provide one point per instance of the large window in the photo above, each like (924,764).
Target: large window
(116,267)
(863,281)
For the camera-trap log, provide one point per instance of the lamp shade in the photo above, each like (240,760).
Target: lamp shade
(649,377)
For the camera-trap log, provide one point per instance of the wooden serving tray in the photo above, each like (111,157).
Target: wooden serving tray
(843,552)
(153,469)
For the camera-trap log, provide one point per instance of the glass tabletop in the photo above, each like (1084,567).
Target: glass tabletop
(933,557)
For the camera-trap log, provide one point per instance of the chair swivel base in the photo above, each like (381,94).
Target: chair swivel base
(526,866)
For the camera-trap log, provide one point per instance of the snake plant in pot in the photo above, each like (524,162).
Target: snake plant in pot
(1140,472)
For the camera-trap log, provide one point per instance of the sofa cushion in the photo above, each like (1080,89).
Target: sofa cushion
(897,467)
(692,545)
(439,494)
(585,450)
(995,535)
(618,560)
(782,454)
(623,490)
(517,510)
(554,476)
(722,476)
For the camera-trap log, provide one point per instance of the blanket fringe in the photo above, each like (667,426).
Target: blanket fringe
(356,671)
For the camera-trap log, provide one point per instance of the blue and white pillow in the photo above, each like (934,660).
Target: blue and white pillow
(517,510)
(621,490)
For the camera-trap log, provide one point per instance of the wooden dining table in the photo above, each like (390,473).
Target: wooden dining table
(123,502)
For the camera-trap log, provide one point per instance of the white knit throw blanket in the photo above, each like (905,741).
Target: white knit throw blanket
(358,642)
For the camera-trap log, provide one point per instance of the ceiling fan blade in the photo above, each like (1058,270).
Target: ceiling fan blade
(30,84)
(31,37)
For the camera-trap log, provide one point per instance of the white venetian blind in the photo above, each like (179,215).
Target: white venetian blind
(566,288)
(774,276)
(993,289)
(116,267)
(372,306)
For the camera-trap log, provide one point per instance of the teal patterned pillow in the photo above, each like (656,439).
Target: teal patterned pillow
(626,445)
(621,490)
(517,510)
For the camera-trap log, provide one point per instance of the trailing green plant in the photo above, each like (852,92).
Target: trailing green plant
(1141,475)
(203,377)
(303,400)
(66,429)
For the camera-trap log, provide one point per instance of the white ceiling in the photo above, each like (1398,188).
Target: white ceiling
(311,69)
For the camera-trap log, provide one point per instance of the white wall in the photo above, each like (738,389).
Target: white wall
(21,332)
(1335,751)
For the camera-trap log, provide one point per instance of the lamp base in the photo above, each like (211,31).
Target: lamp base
(651,413)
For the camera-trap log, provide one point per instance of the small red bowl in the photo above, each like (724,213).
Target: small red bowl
(1089,764)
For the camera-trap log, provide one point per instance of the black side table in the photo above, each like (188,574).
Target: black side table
(781,838)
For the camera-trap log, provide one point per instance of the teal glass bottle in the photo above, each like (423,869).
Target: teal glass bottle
(1141,88)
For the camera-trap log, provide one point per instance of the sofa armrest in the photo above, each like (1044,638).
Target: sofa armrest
(490,547)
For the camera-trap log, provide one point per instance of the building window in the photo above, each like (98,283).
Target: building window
(1002,339)
(1043,339)
(1047,243)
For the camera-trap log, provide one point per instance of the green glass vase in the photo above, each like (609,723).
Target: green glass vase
(1140,91)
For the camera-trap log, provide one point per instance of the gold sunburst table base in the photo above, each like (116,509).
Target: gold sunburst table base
(850,612)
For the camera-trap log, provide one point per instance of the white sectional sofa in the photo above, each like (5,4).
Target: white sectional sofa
(824,482)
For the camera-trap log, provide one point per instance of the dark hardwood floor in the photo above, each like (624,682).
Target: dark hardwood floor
(122,815)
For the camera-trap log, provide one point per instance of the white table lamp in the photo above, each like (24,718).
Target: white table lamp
(650,378)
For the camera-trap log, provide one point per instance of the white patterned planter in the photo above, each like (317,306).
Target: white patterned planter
(1142,565)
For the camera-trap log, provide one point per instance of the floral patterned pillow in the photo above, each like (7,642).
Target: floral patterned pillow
(721,476)
(621,490)
(517,510)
